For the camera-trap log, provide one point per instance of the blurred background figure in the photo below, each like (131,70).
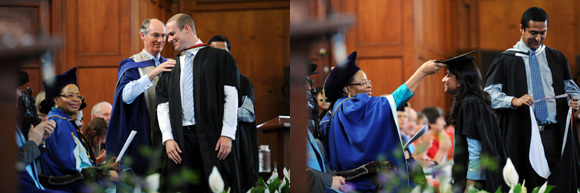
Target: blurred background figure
(101,110)
(95,133)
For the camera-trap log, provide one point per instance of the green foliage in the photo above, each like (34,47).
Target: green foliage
(259,189)
(498,190)
(518,188)
(272,187)
(286,187)
(489,163)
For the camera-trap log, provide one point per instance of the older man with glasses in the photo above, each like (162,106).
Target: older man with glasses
(134,106)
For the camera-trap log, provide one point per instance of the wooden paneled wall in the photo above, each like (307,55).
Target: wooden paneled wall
(394,37)
(258,34)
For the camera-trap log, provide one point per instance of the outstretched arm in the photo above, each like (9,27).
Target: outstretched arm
(429,67)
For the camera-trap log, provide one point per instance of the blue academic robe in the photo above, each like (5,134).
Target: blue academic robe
(364,129)
(66,151)
(128,117)
(28,178)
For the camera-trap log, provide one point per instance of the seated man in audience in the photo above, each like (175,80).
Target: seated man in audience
(101,110)
(29,138)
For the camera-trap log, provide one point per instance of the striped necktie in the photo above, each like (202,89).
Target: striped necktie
(188,112)
(540,107)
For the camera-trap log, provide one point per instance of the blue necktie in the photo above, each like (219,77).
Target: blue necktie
(540,107)
(156,60)
(188,112)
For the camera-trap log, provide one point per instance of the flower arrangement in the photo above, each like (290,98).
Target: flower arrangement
(273,184)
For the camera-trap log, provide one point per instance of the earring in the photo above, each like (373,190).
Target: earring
(457,86)
(349,96)
(56,106)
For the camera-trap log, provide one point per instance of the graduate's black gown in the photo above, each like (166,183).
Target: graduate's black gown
(509,70)
(212,69)
(476,120)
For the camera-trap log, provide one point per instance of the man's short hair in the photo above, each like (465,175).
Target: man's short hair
(182,19)
(145,26)
(97,107)
(534,14)
(220,38)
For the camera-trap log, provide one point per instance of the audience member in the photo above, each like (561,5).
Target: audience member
(96,133)
(101,110)
(441,141)
(29,139)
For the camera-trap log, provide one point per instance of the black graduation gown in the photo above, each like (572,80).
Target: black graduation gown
(246,140)
(212,69)
(476,120)
(508,70)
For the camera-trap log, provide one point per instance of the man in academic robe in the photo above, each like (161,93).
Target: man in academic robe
(134,106)
(529,69)
(247,143)
(197,111)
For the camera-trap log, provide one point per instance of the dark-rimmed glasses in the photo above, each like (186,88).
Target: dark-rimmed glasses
(70,96)
(364,82)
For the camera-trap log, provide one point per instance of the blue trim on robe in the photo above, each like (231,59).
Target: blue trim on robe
(65,153)
(364,129)
(314,158)
(128,117)
(29,177)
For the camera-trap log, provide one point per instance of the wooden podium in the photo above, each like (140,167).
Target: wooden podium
(280,126)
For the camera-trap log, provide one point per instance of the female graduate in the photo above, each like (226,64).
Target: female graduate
(477,133)
(362,128)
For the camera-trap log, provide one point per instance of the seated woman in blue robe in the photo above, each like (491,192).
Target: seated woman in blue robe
(362,128)
(67,152)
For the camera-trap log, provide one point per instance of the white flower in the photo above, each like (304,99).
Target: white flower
(273,177)
(266,191)
(276,191)
(417,189)
(286,174)
(524,189)
(543,187)
(510,175)
(282,184)
(152,182)
(216,183)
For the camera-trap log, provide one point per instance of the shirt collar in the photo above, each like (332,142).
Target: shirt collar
(194,50)
(151,56)
(521,46)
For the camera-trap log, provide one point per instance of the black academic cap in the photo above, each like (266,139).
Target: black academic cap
(53,86)
(339,77)
(312,68)
(22,78)
(460,59)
